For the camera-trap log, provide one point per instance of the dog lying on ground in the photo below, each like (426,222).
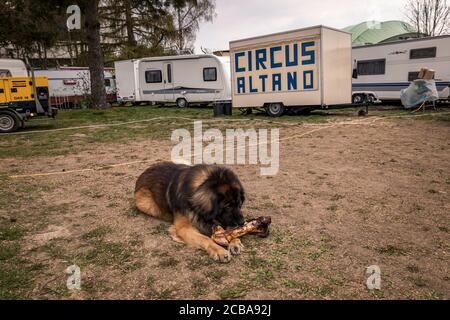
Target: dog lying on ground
(194,199)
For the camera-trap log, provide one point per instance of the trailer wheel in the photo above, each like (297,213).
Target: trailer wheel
(182,103)
(357,98)
(8,122)
(275,109)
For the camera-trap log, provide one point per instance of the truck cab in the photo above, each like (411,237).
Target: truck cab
(21,96)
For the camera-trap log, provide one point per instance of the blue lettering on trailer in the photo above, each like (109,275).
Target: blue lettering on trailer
(241,84)
(276,82)
(274,64)
(292,81)
(263,78)
(261,58)
(250,82)
(282,67)
(310,53)
(236,61)
(308,84)
(290,63)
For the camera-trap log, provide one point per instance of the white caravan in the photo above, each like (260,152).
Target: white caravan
(384,69)
(184,80)
(13,68)
(69,85)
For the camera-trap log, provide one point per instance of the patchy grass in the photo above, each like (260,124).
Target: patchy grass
(115,254)
(199,287)
(116,125)
(96,233)
(391,250)
(199,261)
(332,208)
(8,250)
(216,275)
(11,233)
(162,228)
(168,262)
(412,268)
(233,291)
(154,293)
(292,284)
(15,282)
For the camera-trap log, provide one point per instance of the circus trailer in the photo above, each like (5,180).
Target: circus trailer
(310,67)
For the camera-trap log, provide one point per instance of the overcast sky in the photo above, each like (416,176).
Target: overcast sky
(237,19)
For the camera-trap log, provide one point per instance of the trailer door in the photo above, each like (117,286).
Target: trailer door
(168,81)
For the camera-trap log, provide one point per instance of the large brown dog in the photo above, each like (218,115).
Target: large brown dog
(193,198)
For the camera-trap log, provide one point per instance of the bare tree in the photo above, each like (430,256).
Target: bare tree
(430,17)
(187,16)
(95,53)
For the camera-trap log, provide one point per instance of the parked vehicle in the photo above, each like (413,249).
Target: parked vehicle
(71,85)
(22,96)
(13,68)
(382,70)
(184,80)
(307,67)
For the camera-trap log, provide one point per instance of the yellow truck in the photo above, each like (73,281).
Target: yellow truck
(21,97)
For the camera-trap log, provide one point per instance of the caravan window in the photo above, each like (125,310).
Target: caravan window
(5,73)
(371,67)
(153,76)
(209,74)
(413,75)
(169,73)
(107,83)
(423,53)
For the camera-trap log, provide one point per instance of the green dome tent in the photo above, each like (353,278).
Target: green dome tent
(372,32)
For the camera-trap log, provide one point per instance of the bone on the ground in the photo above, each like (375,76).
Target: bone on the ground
(258,227)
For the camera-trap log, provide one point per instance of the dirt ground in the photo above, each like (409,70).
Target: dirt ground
(349,194)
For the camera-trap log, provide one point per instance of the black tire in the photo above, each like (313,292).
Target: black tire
(358,99)
(275,109)
(182,103)
(9,122)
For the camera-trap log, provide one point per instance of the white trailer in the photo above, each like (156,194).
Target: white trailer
(69,85)
(382,70)
(306,67)
(13,68)
(184,80)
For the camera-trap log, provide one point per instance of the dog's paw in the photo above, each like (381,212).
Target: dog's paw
(236,247)
(220,254)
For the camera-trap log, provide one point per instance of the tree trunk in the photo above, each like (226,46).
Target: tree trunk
(129,24)
(180,32)
(95,54)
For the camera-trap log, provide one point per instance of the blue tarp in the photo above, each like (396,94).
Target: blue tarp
(419,91)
